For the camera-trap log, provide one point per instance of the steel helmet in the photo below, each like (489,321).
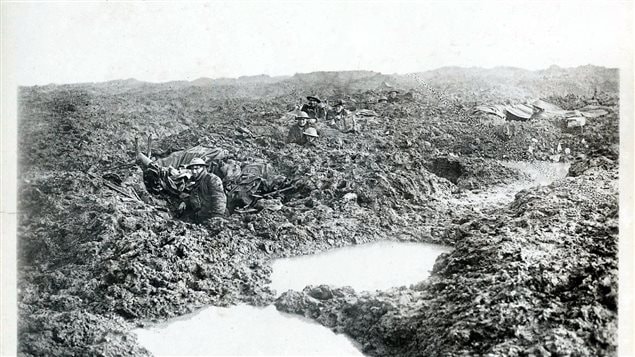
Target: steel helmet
(197,161)
(301,115)
(314,98)
(310,131)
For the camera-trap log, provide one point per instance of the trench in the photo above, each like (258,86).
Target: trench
(248,330)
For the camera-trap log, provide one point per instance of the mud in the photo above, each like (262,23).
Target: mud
(536,275)
(512,286)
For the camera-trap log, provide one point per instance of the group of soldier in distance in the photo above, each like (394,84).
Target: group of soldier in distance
(305,131)
(307,117)
(202,184)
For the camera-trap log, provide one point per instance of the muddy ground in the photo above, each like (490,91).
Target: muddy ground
(537,276)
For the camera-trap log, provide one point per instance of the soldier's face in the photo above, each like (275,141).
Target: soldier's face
(197,169)
(302,122)
(312,103)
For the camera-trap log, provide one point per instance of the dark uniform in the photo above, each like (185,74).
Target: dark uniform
(314,112)
(296,136)
(207,198)
(392,97)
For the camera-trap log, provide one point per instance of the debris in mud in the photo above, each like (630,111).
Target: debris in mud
(100,254)
(244,184)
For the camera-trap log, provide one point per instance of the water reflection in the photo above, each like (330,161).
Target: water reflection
(244,330)
(247,330)
(373,266)
(538,174)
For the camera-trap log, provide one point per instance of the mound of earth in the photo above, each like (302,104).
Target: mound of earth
(539,277)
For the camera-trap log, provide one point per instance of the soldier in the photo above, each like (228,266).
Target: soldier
(314,108)
(392,96)
(296,131)
(341,117)
(310,135)
(337,113)
(207,198)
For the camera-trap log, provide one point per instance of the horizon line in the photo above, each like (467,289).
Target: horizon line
(301,73)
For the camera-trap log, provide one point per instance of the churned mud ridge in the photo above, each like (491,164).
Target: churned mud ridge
(538,277)
(98,255)
(87,248)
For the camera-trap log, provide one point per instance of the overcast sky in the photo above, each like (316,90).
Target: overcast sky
(69,42)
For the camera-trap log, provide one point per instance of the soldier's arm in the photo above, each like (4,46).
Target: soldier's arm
(217,195)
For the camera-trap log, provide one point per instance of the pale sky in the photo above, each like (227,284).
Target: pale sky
(69,42)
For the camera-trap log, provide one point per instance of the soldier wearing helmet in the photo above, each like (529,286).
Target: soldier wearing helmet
(392,96)
(310,134)
(341,117)
(296,132)
(315,108)
(207,197)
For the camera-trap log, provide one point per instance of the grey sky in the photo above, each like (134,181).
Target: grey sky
(67,42)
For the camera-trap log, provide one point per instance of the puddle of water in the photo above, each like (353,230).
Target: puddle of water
(247,330)
(243,330)
(372,266)
(540,174)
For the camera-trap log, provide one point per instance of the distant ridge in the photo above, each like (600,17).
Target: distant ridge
(497,82)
